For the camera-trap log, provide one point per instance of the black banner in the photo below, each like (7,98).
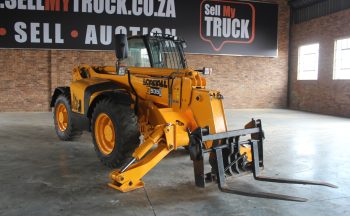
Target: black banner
(208,26)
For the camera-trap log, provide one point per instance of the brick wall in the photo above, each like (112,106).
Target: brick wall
(29,76)
(324,95)
(24,80)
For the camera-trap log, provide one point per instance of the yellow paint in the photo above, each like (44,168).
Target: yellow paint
(208,111)
(247,150)
(78,88)
(163,124)
(62,117)
(186,93)
(176,94)
(137,77)
(105,134)
(149,142)
(131,178)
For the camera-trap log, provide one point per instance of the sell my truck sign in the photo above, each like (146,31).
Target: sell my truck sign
(227,22)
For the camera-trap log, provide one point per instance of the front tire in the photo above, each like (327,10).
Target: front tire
(115,132)
(63,120)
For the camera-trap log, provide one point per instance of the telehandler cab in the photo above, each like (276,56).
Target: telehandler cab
(150,104)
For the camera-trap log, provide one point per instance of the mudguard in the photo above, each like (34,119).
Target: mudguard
(58,91)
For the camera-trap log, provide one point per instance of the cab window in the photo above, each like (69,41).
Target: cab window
(138,55)
(166,53)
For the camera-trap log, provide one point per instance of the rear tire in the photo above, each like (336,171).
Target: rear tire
(64,124)
(115,132)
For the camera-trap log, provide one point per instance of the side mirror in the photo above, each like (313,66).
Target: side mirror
(121,46)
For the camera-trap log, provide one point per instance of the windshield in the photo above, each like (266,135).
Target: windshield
(138,55)
(161,53)
(166,53)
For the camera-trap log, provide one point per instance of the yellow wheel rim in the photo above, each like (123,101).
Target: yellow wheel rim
(62,117)
(104,133)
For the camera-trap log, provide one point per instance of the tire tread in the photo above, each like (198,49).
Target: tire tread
(127,129)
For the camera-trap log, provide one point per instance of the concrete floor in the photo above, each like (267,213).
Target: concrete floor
(40,175)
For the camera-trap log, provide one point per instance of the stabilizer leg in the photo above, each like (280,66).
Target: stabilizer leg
(131,178)
(128,177)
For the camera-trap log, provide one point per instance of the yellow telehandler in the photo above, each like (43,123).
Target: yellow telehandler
(150,104)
